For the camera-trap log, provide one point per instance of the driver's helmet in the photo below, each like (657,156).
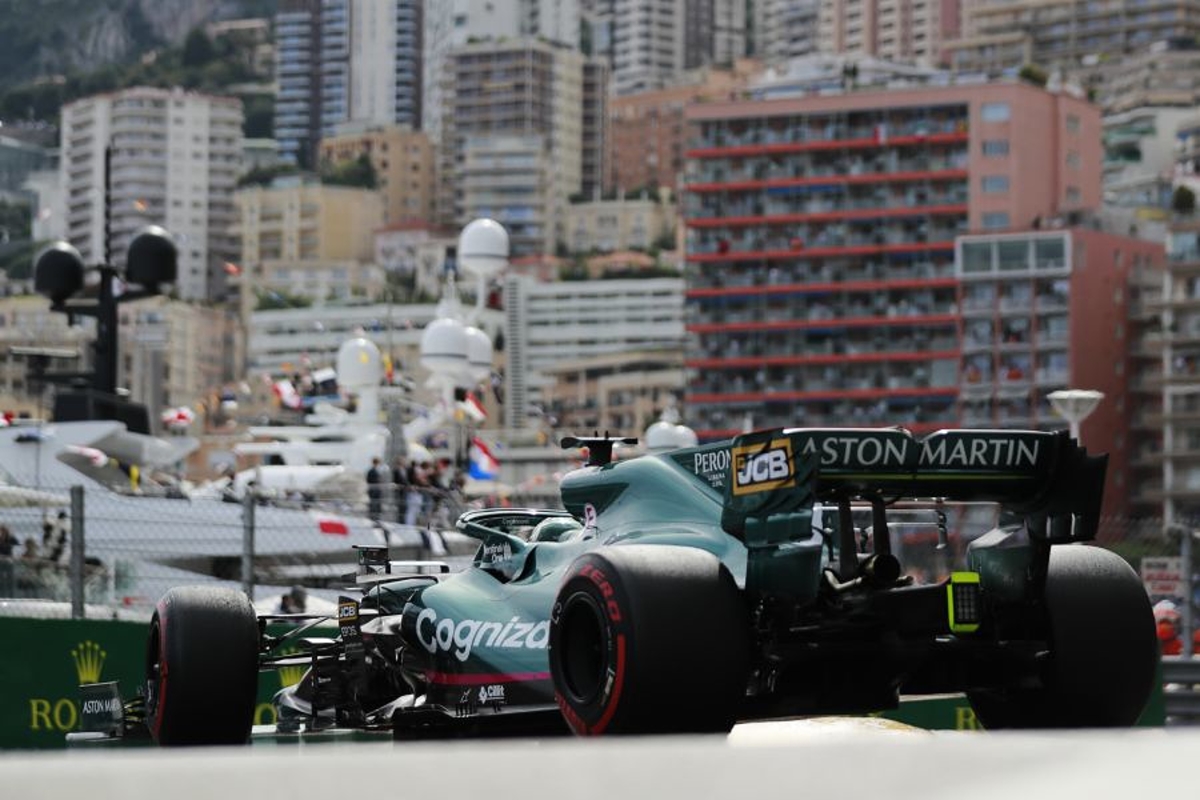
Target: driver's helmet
(555,529)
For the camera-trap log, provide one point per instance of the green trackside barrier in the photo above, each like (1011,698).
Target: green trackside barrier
(44,661)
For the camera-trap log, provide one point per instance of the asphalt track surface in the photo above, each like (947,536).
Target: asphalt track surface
(826,758)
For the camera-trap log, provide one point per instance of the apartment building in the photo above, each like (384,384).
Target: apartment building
(1072,35)
(514,144)
(307,239)
(821,230)
(345,60)
(654,42)
(1165,74)
(1165,418)
(648,131)
(172,159)
(785,29)
(564,321)
(622,392)
(1045,310)
(404,164)
(637,222)
(893,30)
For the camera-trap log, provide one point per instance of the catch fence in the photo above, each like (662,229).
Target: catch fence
(96,553)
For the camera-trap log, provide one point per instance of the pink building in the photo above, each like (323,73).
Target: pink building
(821,242)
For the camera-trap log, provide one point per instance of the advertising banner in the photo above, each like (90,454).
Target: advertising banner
(43,662)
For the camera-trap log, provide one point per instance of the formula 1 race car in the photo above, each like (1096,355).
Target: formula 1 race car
(688,590)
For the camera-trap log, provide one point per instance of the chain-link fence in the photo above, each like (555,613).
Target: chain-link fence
(98,553)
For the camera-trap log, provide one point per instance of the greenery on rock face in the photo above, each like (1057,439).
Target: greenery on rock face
(40,38)
(200,64)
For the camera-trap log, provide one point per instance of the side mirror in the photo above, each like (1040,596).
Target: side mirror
(58,272)
(153,259)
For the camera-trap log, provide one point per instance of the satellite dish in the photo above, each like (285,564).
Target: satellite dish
(483,247)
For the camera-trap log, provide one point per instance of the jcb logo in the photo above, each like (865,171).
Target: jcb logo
(759,470)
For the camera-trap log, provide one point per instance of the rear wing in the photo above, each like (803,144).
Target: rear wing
(1047,478)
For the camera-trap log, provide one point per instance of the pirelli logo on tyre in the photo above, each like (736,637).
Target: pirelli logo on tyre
(759,468)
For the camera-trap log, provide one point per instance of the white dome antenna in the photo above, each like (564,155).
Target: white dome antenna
(483,247)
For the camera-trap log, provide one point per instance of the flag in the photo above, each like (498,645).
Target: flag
(472,408)
(232,269)
(484,466)
(286,392)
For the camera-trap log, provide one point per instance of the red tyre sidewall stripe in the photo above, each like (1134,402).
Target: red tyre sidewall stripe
(615,697)
(162,671)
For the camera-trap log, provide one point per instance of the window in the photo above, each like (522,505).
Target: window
(995,220)
(1073,195)
(1072,123)
(995,147)
(1072,159)
(994,184)
(977,256)
(994,112)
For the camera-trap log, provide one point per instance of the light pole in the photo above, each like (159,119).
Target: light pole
(1074,405)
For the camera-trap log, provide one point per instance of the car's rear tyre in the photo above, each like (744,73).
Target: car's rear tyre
(202,667)
(1103,649)
(649,639)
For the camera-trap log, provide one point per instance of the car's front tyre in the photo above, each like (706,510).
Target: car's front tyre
(649,639)
(202,667)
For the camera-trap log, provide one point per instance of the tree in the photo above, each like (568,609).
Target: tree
(1032,73)
(357,172)
(1183,201)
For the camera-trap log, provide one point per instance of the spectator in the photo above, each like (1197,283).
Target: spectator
(418,484)
(294,601)
(400,486)
(376,477)
(54,537)
(7,543)
(1166,619)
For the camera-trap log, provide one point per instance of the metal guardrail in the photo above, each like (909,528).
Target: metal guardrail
(1181,689)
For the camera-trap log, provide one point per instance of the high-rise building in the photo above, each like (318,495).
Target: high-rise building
(653,42)
(516,138)
(404,165)
(345,60)
(450,24)
(894,30)
(172,158)
(821,283)
(1065,34)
